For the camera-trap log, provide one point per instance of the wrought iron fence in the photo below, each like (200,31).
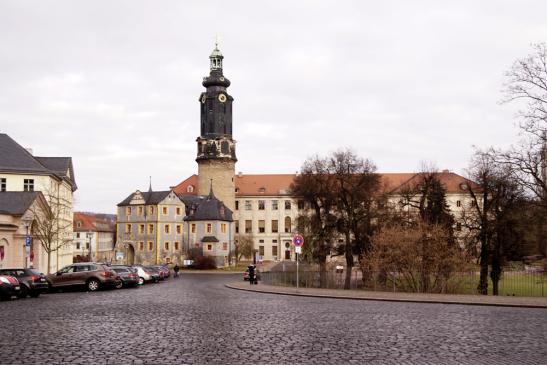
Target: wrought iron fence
(513,283)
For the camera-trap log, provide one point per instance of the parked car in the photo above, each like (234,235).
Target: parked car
(246,274)
(164,270)
(128,276)
(32,282)
(9,286)
(154,269)
(146,275)
(92,275)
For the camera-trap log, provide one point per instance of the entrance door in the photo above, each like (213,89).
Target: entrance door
(287,255)
(130,255)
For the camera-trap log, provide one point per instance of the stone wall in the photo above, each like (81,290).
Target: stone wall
(223,173)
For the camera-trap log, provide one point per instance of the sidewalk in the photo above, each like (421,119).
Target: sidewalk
(524,302)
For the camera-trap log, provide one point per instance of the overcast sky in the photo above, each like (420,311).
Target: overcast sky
(115,84)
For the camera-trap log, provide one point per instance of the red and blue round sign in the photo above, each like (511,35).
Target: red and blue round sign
(298,240)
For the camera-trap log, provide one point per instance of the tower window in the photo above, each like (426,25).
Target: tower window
(237,204)
(3,184)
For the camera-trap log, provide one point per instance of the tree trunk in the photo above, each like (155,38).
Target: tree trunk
(349,263)
(495,273)
(48,262)
(483,280)
(323,273)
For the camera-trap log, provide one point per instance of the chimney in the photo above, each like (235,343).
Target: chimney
(239,174)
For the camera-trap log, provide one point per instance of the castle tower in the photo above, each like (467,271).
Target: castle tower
(216,155)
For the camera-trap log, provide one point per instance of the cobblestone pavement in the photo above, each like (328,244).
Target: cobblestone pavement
(196,320)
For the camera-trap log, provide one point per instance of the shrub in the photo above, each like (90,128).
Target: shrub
(204,263)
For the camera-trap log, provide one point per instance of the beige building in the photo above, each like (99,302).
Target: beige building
(94,237)
(20,171)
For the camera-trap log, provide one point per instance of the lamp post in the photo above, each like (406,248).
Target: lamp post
(27,222)
(89,235)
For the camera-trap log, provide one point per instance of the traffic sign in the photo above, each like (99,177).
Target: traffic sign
(298,240)
(298,249)
(28,240)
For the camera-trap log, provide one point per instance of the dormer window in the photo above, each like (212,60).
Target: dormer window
(262,190)
(78,224)
(237,190)
(190,189)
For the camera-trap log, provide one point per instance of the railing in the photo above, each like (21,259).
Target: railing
(512,283)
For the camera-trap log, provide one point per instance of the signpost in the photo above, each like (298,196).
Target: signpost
(28,241)
(298,242)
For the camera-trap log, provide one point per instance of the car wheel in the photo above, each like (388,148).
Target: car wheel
(34,294)
(23,292)
(141,281)
(120,285)
(93,285)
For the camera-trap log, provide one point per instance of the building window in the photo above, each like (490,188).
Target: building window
(3,184)
(77,245)
(166,246)
(261,250)
(141,228)
(179,229)
(140,210)
(209,228)
(28,184)
(300,205)
(78,224)
(167,228)
(248,205)
(458,203)
(473,203)
(78,235)
(261,226)
(165,210)
(237,204)
(128,211)
(87,245)
(178,211)
(128,228)
(150,245)
(225,246)
(261,204)
(275,226)
(274,205)
(274,251)
(141,246)
(248,226)
(150,210)
(150,228)
(209,247)
(237,226)
(176,246)
(287,204)
(223,227)
(287,224)
(193,228)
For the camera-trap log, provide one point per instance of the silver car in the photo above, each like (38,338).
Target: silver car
(145,275)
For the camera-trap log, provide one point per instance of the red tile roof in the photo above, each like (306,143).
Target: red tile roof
(279,184)
(91,222)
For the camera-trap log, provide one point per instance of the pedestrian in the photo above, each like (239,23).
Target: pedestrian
(176,270)
(251,269)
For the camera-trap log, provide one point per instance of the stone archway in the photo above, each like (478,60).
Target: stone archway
(4,252)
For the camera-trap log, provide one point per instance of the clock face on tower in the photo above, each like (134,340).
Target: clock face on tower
(222,98)
(203,98)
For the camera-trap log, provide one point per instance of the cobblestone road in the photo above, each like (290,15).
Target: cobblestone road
(196,320)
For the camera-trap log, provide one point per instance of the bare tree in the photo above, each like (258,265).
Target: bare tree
(52,227)
(315,185)
(243,246)
(357,188)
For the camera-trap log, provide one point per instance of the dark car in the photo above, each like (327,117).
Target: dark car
(89,274)
(128,276)
(32,282)
(9,286)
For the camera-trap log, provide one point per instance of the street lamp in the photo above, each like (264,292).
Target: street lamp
(89,235)
(27,221)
